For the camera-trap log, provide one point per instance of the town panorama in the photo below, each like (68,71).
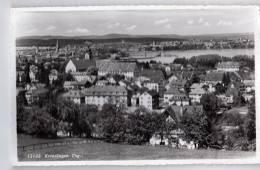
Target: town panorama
(135,96)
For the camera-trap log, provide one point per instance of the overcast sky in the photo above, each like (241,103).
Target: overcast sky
(177,21)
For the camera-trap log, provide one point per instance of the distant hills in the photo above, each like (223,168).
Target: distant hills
(43,40)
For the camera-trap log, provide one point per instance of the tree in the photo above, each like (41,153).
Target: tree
(195,79)
(40,123)
(210,105)
(21,118)
(239,99)
(43,75)
(220,88)
(112,123)
(141,126)
(250,122)
(88,84)
(226,79)
(196,128)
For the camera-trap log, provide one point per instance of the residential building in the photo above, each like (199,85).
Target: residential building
(69,85)
(149,99)
(151,85)
(100,95)
(196,92)
(128,69)
(214,77)
(74,95)
(33,70)
(83,76)
(176,97)
(228,66)
(176,84)
(102,83)
(229,96)
(152,79)
(34,95)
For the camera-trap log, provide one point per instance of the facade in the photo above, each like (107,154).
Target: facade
(152,79)
(69,85)
(149,99)
(100,95)
(34,95)
(83,76)
(174,96)
(228,66)
(176,84)
(151,85)
(214,77)
(196,92)
(74,95)
(127,69)
(32,73)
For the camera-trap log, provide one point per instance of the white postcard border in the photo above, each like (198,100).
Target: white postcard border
(13,146)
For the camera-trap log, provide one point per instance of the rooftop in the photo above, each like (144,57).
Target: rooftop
(153,75)
(113,66)
(82,64)
(105,90)
(228,64)
(216,76)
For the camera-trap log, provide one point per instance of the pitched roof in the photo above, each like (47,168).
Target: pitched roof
(179,83)
(105,90)
(73,93)
(176,112)
(228,64)
(82,64)
(154,75)
(114,66)
(216,76)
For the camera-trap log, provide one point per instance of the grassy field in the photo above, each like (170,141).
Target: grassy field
(108,151)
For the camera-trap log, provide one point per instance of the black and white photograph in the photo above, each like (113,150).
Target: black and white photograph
(135,84)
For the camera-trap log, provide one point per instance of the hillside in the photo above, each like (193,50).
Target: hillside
(63,40)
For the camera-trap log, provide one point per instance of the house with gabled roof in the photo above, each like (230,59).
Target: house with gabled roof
(152,79)
(100,95)
(173,96)
(128,69)
(214,77)
(79,65)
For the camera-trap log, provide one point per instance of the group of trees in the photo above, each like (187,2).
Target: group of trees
(114,125)
(243,135)
(111,123)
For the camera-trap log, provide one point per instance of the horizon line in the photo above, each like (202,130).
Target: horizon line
(24,36)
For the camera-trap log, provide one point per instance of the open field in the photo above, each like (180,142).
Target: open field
(108,151)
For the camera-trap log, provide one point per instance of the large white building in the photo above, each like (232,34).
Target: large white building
(149,100)
(121,68)
(100,95)
(228,66)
